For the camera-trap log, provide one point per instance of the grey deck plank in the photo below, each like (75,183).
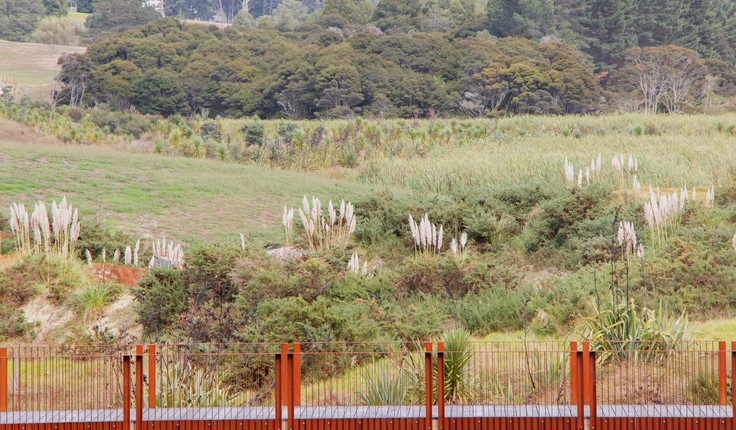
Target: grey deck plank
(363,412)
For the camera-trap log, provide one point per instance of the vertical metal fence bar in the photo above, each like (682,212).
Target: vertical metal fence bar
(733,386)
(574,372)
(297,374)
(151,376)
(289,391)
(126,392)
(139,390)
(578,360)
(441,385)
(277,400)
(428,381)
(3,379)
(593,390)
(722,385)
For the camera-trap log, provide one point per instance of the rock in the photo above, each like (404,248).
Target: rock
(285,253)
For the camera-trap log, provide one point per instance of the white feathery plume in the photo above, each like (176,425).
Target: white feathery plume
(128,257)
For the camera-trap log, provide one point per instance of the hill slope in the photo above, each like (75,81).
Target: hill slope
(176,197)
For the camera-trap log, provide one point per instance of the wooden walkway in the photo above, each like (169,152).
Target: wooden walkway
(363,412)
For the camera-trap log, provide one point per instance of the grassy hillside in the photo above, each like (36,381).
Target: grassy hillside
(183,198)
(31,66)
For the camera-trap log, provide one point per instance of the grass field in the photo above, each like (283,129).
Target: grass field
(31,66)
(182,198)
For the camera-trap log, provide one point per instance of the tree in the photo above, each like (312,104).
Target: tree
(75,74)
(160,92)
(520,18)
(354,11)
(666,75)
(398,15)
(487,92)
(18,18)
(289,14)
(116,16)
(338,91)
(611,29)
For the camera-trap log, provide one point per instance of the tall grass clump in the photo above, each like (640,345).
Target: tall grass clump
(90,302)
(37,234)
(167,254)
(331,231)
(662,212)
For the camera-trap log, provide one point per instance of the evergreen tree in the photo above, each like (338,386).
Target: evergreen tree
(520,18)
(18,18)
(611,30)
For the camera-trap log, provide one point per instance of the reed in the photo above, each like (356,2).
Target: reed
(166,254)
(330,231)
(37,234)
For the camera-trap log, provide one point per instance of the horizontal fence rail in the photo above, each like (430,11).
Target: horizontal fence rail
(453,385)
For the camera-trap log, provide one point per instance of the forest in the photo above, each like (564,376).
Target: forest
(406,59)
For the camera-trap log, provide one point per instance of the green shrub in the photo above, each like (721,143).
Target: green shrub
(493,309)
(14,325)
(211,129)
(95,237)
(437,276)
(254,133)
(162,296)
(39,273)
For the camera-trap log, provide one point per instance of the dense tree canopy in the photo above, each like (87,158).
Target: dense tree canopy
(167,67)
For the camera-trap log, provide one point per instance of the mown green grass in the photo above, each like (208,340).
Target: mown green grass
(31,66)
(181,198)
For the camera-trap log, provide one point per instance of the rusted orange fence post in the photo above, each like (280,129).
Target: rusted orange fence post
(3,379)
(592,391)
(733,385)
(441,385)
(428,392)
(297,374)
(126,392)
(151,376)
(285,371)
(277,392)
(576,383)
(139,391)
(589,394)
(574,373)
(722,397)
(288,394)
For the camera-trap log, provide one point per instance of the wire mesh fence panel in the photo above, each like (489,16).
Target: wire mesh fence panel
(362,381)
(677,379)
(44,385)
(214,386)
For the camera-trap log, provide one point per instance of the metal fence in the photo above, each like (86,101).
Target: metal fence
(381,386)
